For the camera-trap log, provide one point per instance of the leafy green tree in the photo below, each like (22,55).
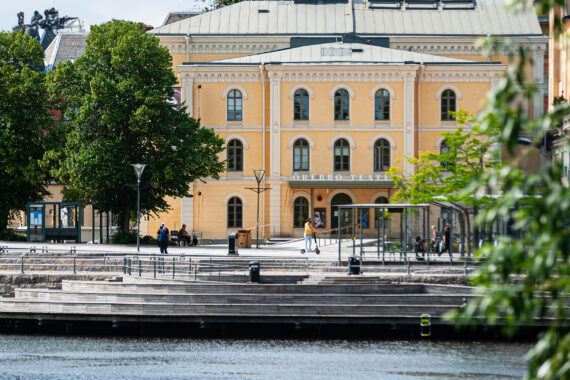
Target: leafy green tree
(528,277)
(446,174)
(24,120)
(216,4)
(115,103)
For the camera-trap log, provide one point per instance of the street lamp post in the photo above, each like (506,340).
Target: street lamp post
(259,174)
(138,171)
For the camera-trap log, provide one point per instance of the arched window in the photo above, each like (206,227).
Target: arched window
(235,156)
(234,105)
(301,105)
(341,105)
(345,214)
(382,105)
(445,151)
(235,213)
(301,155)
(381,155)
(300,212)
(341,155)
(448,104)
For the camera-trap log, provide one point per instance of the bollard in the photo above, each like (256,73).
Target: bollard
(129,266)
(173,267)
(154,264)
(45,249)
(73,250)
(22,265)
(32,249)
(425,325)
(140,268)
(74,266)
(124,265)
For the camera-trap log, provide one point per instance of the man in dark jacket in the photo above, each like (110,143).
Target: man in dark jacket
(447,238)
(163,237)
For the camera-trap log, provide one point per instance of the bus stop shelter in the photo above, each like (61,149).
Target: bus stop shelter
(353,214)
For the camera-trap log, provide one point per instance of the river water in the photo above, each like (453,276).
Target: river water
(64,357)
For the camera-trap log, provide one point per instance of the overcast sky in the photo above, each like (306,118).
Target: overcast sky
(151,12)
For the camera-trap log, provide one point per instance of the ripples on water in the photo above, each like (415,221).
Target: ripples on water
(49,357)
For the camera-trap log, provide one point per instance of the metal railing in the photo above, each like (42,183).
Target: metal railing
(155,266)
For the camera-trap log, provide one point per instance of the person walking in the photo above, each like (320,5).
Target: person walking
(447,238)
(434,239)
(163,236)
(309,230)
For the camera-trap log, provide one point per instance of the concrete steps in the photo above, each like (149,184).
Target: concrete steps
(340,297)
(153,309)
(45,295)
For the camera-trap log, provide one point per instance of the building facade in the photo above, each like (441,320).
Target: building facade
(326,96)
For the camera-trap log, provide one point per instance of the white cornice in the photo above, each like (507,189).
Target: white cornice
(455,45)
(223,74)
(223,45)
(467,73)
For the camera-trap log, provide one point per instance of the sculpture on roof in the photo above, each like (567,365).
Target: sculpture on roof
(51,23)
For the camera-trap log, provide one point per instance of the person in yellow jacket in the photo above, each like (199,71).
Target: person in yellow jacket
(309,231)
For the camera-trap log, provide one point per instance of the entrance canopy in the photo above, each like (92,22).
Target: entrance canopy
(388,206)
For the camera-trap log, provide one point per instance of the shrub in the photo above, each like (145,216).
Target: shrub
(124,238)
(12,235)
(149,240)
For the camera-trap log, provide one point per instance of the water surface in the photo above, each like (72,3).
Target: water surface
(63,357)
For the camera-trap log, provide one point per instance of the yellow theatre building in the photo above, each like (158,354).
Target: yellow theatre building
(326,96)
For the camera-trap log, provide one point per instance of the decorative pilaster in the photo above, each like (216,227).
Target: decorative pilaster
(274,124)
(538,77)
(188,93)
(275,209)
(409,120)
(187,213)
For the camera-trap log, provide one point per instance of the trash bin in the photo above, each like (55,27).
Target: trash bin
(232,246)
(353,265)
(254,269)
(244,238)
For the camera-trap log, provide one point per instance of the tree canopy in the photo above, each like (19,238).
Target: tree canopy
(24,121)
(116,102)
(528,277)
(469,154)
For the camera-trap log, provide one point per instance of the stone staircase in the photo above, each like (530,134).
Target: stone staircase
(349,298)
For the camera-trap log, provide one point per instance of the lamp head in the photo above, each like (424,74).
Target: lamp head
(139,168)
(259,173)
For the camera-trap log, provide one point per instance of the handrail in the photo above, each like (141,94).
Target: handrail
(155,265)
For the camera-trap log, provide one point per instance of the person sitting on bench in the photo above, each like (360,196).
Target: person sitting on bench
(183,235)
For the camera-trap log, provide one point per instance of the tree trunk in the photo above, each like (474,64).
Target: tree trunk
(4,215)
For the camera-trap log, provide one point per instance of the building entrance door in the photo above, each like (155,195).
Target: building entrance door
(346,214)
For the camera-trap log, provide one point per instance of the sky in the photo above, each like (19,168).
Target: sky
(151,12)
